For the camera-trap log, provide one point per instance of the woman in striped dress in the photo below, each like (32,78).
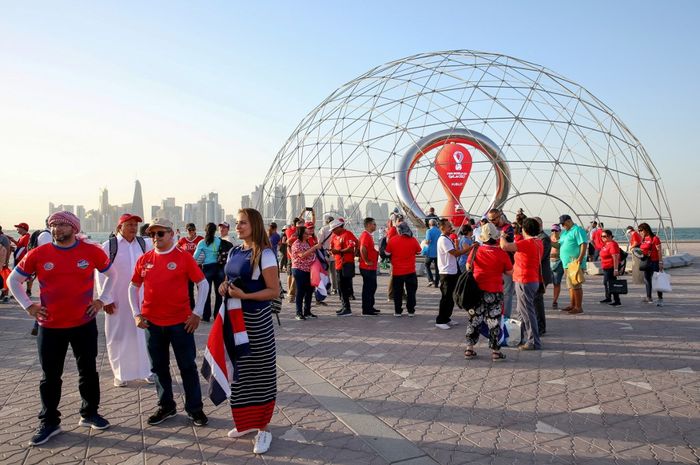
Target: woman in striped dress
(252,276)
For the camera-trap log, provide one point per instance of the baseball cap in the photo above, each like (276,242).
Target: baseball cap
(339,223)
(309,225)
(564,218)
(160,223)
(128,216)
(225,224)
(23,226)
(556,227)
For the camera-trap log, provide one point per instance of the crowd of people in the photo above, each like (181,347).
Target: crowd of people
(156,288)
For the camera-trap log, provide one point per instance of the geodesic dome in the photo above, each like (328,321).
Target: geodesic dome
(565,150)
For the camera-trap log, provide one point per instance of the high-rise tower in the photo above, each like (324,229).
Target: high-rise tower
(137,203)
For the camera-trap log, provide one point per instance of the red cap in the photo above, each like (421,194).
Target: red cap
(23,226)
(309,224)
(128,216)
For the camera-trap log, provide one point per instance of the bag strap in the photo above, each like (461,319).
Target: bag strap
(470,265)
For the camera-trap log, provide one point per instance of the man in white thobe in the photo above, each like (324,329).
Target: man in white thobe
(126,343)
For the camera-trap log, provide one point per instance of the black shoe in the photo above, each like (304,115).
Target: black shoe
(345,312)
(300,317)
(95,421)
(43,434)
(370,313)
(198,418)
(605,301)
(161,415)
(615,304)
(310,315)
(338,312)
(376,311)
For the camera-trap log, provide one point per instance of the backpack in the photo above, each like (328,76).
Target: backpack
(34,239)
(467,294)
(114,246)
(382,249)
(224,248)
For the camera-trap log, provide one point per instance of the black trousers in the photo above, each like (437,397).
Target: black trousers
(410,282)
(608,278)
(345,290)
(53,347)
(369,287)
(539,311)
(448,282)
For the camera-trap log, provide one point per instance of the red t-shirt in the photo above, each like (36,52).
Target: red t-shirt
(391,233)
(650,247)
(188,245)
(606,254)
(22,244)
(597,239)
(489,265)
(403,250)
(164,277)
(527,261)
(66,279)
(291,234)
(372,255)
(635,239)
(343,241)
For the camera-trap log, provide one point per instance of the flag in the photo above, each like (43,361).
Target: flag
(227,343)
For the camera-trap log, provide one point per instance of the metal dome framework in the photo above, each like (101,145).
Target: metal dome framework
(567,152)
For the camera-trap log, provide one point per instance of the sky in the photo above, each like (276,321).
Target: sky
(193,97)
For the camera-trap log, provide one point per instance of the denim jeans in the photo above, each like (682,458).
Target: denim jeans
(508,292)
(525,293)
(158,340)
(53,346)
(435,279)
(369,287)
(608,278)
(304,291)
(214,274)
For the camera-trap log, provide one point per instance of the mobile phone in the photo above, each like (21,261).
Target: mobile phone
(309,209)
(238,282)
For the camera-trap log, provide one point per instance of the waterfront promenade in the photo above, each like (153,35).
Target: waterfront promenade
(612,386)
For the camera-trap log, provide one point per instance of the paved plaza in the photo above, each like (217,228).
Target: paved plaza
(612,386)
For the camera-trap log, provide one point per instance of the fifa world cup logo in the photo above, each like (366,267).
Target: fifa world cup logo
(453,164)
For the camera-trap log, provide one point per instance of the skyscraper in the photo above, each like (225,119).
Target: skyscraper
(137,203)
(104,201)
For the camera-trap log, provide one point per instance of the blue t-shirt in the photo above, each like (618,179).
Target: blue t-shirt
(462,259)
(274,240)
(211,251)
(432,235)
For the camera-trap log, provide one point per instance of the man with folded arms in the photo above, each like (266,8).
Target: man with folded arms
(66,315)
(166,316)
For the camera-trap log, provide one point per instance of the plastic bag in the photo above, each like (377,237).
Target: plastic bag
(514,330)
(661,282)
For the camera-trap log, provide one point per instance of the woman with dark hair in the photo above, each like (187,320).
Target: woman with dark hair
(252,280)
(527,276)
(303,255)
(464,239)
(207,253)
(610,262)
(651,248)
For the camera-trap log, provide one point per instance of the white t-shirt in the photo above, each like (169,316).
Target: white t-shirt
(267,260)
(447,263)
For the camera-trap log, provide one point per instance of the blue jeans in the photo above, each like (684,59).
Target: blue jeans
(435,279)
(158,340)
(304,291)
(215,276)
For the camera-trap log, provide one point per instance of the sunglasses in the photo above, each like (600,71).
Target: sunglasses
(153,234)
(604,236)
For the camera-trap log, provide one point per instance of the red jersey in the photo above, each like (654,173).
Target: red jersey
(403,250)
(597,239)
(489,265)
(343,241)
(164,277)
(372,255)
(650,246)
(66,279)
(21,250)
(391,233)
(528,260)
(635,239)
(606,254)
(188,245)
(291,234)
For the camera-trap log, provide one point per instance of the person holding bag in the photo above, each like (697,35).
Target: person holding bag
(610,260)
(303,256)
(651,247)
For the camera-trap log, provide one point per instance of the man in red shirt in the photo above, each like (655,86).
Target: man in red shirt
(189,245)
(166,316)
(66,316)
(343,246)
(403,249)
(368,267)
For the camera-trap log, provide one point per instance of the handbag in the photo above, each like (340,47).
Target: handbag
(575,273)
(618,286)
(661,282)
(348,270)
(467,293)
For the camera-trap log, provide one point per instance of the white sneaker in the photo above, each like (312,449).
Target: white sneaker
(234,433)
(453,323)
(442,326)
(262,442)
(119,383)
(150,379)
(660,303)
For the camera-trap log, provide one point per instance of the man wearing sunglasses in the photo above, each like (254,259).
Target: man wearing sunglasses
(66,315)
(166,316)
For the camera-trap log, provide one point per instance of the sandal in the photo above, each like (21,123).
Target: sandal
(498,356)
(468,354)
